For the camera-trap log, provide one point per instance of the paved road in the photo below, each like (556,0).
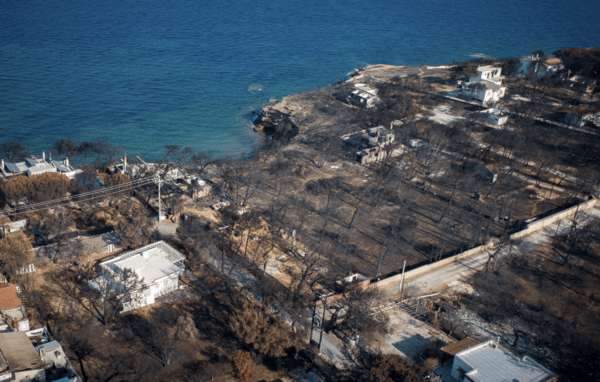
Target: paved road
(331,348)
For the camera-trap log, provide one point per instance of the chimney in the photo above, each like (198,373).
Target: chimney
(2,168)
(67,161)
(44,156)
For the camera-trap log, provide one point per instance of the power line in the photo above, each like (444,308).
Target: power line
(84,194)
(83,197)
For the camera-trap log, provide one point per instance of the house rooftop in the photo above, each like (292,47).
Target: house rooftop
(40,168)
(487,68)
(553,61)
(150,262)
(366,88)
(62,166)
(19,352)
(490,362)
(9,297)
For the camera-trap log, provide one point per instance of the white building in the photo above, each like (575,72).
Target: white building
(490,362)
(488,74)
(364,95)
(158,265)
(486,86)
(484,91)
(35,166)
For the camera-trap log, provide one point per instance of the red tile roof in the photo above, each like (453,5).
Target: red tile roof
(9,297)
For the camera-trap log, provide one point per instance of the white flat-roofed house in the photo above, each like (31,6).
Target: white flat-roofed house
(36,166)
(490,362)
(487,85)
(484,91)
(158,265)
(489,74)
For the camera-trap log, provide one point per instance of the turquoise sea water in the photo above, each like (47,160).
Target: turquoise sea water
(150,73)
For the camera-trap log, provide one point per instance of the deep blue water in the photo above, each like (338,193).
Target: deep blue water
(156,72)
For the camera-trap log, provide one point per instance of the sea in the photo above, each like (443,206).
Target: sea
(145,74)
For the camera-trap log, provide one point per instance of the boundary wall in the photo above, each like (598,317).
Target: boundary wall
(531,227)
(541,223)
(385,283)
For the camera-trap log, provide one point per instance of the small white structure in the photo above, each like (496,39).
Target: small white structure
(12,227)
(218,206)
(415,143)
(199,187)
(354,279)
(158,265)
(174,173)
(364,95)
(494,116)
(490,362)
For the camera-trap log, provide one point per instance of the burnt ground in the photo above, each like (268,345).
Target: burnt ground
(434,185)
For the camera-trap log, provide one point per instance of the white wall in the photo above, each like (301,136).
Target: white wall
(459,363)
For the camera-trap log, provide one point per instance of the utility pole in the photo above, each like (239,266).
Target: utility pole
(312,324)
(402,279)
(322,323)
(159,205)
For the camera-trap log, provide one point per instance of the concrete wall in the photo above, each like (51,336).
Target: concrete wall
(394,281)
(548,220)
